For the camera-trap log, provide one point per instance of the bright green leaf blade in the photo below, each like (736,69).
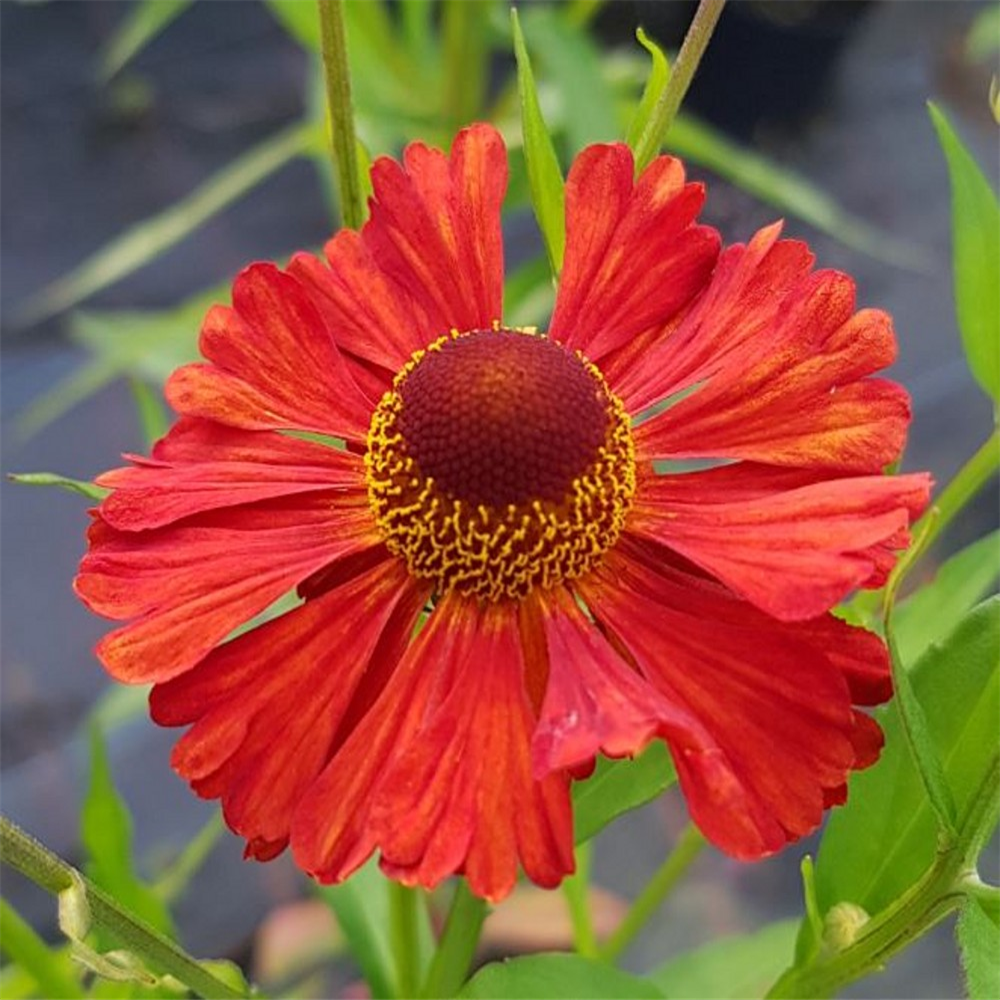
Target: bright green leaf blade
(979,950)
(730,968)
(300,21)
(151,411)
(49,967)
(617,786)
(959,584)
(89,490)
(656,82)
(140,25)
(877,845)
(975,231)
(106,832)
(556,975)
(146,240)
(786,190)
(545,178)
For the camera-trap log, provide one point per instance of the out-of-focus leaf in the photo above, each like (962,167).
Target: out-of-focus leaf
(529,294)
(877,845)
(300,20)
(979,949)
(730,968)
(106,832)
(49,967)
(975,231)
(556,976)
(786,190)
(570,62)
(172,883)
(544,176)
(89,490)
(141,23)
(60,398)
(936,608)
(151,411)
(656,82)
(617,786)
(983,39)
(146,240)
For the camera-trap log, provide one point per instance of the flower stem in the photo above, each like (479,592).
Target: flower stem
(50,872)
(457,947)
(338,96)
(575,889)
(651,898)
(692,49)
(404,936)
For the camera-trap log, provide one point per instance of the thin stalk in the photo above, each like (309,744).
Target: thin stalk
(338,96)
(22,945)
(576,890)
(666,108)
(404,938)
(47,870)
(457,947)
(652,897)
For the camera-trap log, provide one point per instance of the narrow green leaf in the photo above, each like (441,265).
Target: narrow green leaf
(89,490)
(106,832)
(656,82)
(172,883)
(544,175)
(879,844)
(556,976)
(146,240)
(975,222)
(617,786)
(151,411)
(730,968)
(49,967)
(60,398)
(979,949)
(142,22)
(810,934)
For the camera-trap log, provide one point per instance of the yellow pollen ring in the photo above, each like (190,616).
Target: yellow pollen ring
(497,552)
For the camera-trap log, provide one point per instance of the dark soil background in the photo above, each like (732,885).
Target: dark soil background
(835,90)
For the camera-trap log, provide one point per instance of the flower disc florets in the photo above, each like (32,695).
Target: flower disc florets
(499,462)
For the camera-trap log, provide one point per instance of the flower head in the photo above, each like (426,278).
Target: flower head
(500,573)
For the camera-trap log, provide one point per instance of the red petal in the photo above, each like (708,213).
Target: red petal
(793,552)
(189,585)
(795,393)
(274,364)
(634,258)
(435,231)
(201,465)
(268,705)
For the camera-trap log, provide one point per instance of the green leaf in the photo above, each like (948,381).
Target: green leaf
(656,82)
(49,967)
(545,178)
(983,38)
(146,240)
(556,975)
(979,949)
(529,293)
(106,832)
(141,23)
(172,883)
(730,967)
(936,608)
(300,21)
(617,786)
(975,222)
(151,411)
(89,490)
(810,934)
(877,845)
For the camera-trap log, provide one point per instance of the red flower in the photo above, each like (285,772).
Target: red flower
(583,601)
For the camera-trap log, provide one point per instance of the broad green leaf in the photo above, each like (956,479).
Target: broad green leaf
(979,949)
(877,845)
(556,976)
(141,23)
(89,490)
(975,230)
(730,968)
(300,21)
(49,967)
(617,786)
(656,82)
(544,175)
(937,607)
(106,832)
(151,411)
(146,240)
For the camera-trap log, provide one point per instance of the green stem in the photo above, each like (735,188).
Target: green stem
(338,96)
(404,937)
(651,898)
(576,890)
(22,945)
(47,870)
(666,108)
(457,947)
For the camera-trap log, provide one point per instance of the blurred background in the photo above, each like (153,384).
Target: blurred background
(148,155)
